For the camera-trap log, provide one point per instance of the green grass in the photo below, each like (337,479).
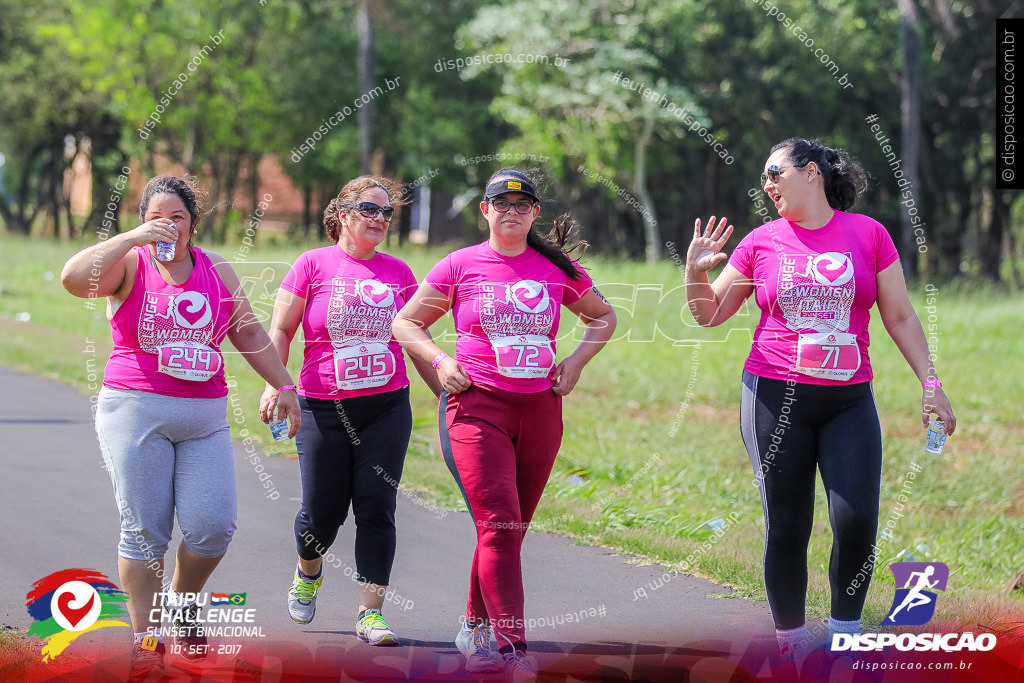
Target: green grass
(651,451)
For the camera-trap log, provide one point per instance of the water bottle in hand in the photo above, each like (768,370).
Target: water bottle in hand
(936,437)
(165,251)
(279,428)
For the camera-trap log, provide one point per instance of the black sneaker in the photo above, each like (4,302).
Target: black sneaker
(147,664)
(190,635)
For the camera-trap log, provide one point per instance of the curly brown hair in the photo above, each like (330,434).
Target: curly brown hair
(350,194)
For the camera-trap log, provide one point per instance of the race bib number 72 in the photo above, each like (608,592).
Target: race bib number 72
(528,356)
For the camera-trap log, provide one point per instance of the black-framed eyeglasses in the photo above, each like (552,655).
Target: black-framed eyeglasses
(503,205)
(370,210)
(773,173)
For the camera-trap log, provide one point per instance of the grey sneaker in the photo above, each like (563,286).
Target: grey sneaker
(474,642)
(302,598)
(373,629)
(517,667)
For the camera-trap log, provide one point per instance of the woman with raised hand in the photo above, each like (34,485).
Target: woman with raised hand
(807,400)
(354,393)
(500,414)
(161,415)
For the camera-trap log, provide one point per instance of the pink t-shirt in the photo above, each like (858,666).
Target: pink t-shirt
(167,337)
(506,311)
(350,305)
(815,289)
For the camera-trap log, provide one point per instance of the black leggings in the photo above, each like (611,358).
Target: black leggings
(790,429)
(352,451)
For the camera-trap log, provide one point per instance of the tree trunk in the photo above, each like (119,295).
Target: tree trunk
(307,213)
(365,67)
(911,127)
(652,234)
(991,247)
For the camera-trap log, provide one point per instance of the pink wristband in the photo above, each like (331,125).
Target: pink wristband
(438,358)
(932,383)
(287,387)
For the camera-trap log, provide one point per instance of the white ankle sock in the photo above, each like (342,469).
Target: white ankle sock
(792,642)
(835,626)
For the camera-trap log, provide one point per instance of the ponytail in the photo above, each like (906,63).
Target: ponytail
(559,243)
(844,178)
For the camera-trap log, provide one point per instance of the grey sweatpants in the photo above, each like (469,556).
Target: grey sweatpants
(165,453)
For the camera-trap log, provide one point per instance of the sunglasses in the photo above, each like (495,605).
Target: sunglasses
(503,205)
(370,210)
(773,173)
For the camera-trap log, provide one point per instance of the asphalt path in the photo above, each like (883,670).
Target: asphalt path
(58,512)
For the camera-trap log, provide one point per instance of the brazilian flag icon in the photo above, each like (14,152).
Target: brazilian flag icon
(237,598)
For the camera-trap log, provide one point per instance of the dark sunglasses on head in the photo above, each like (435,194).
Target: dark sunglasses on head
(370,210)
(773,173)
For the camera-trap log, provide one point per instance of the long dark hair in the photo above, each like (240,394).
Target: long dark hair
(563,238)
(844,178)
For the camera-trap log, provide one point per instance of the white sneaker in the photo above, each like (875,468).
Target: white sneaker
(374,629)
(517,667)
(302,598)
(475,644)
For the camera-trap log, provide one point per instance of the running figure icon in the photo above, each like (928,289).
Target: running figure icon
(920,581)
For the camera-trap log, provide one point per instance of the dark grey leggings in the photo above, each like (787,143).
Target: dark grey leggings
(351,451)
(790,430)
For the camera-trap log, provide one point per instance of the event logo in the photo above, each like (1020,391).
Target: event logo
(914,603)
(68,603)
(375,293)
(832,269)
(529,296)
(191,310)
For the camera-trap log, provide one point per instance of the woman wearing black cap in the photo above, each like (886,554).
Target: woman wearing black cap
(501,411)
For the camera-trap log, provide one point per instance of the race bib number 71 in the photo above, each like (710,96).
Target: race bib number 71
(828,355)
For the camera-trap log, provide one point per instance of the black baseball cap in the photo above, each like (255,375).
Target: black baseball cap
(520,184)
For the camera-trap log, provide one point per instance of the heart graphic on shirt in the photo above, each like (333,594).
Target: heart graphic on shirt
(191,310)
(80,615)
(529,296)
(832,269)
(375,293)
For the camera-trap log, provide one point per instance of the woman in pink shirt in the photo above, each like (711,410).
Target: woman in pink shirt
(354,394)
(161,415)
(807,401)
(501,410)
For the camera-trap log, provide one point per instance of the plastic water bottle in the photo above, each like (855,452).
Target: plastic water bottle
(936,437)
(279,429)
(165,251)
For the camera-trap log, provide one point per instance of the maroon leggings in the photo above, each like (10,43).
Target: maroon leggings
(500,446)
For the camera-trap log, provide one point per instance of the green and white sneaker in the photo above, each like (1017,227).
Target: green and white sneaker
(474,642)
(372,629)
(302,598)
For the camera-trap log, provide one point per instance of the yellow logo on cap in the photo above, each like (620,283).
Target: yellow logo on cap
(515,185)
